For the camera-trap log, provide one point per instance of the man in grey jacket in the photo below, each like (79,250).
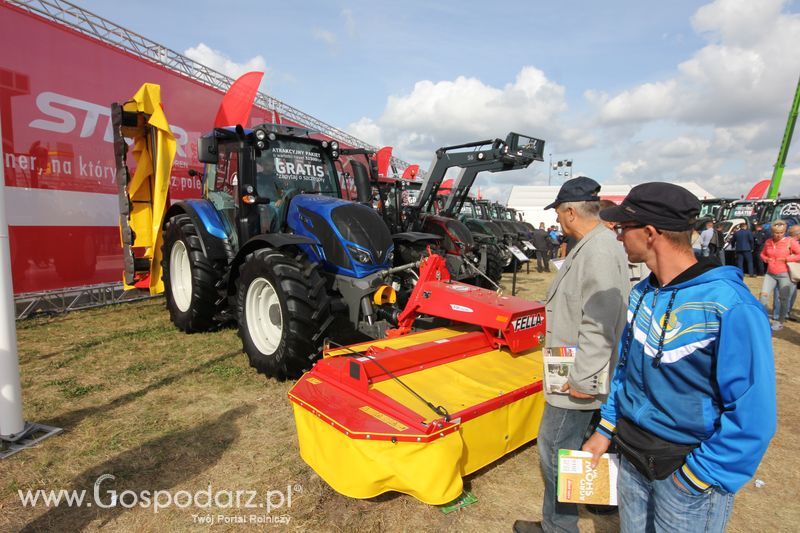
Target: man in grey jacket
(585,308)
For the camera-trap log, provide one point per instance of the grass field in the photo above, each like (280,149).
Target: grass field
(161,410)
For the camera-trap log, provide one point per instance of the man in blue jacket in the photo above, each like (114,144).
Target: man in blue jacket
(692,401)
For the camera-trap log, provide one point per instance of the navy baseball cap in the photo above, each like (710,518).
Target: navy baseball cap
(580,189)
(662,205)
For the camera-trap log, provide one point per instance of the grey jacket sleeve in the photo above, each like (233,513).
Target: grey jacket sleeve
(604,303)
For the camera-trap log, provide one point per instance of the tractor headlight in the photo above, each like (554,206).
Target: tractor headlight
(324,144)
(271,136)
(334,145)
(335,154)
(261,145)
(261,135)
(362,256)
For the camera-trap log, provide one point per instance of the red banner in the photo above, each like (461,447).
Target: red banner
(56,86)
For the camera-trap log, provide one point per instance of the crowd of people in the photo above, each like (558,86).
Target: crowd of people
(680,365)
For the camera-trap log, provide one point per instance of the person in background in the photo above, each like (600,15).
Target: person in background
(743,244)
(540,239)
(692,406)
(760,236)
(777,252)
(705,239)
(553,241)
(794,233)
(719,243)
(585,309)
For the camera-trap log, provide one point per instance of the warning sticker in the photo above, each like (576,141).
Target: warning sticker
(389,421)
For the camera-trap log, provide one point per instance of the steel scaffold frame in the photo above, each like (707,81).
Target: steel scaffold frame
(113,34)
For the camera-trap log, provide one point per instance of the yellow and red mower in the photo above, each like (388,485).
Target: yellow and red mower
(416,412)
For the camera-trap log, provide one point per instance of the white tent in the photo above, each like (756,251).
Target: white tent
(531,200)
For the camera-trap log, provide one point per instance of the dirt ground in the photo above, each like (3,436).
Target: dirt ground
(160,410)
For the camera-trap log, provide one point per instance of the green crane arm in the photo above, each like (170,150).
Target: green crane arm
(777,173)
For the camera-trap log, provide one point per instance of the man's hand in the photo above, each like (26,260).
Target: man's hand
(576,394)
(597,445)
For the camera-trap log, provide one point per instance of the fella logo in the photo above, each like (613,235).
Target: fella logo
(527,322)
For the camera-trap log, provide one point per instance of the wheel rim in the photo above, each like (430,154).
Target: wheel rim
(264,316)
(180,276)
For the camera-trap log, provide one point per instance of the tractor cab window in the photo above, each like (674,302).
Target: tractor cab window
(226,171)
(223,187)
(468,210)
(289,167)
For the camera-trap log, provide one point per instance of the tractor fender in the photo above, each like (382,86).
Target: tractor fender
(214,240)
(483,238)
(276,241)
(415,236)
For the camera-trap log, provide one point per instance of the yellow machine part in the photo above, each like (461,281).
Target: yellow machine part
(431,472)
(154,152)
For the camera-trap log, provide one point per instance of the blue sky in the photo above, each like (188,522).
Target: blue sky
(631,91)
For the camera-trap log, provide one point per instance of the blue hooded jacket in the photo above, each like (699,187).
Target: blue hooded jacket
(707,379)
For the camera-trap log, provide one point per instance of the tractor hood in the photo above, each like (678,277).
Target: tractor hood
(354,241)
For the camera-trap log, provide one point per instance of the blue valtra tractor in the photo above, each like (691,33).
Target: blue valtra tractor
(270,244)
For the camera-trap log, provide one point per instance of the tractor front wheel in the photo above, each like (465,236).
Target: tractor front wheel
(190,278)
(282,306)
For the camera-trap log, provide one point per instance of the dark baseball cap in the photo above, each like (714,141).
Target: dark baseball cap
(580,189)
(662,205)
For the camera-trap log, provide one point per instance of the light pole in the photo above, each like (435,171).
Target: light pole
(566,163)
(550,170)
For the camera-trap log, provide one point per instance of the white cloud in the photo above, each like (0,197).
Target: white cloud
(722,113)
(221,63)
(745,71)
(349,22)
(717,118)
(366,130)
(435,114)
(327,37)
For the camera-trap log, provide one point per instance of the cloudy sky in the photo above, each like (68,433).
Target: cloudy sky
(631,91)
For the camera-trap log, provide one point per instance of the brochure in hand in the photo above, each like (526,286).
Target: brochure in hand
(558,360)
(578,482)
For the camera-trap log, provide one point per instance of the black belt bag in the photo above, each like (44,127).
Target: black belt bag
(654,457)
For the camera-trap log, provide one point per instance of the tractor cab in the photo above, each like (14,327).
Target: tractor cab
(251,175)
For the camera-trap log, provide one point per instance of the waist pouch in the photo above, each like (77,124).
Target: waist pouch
(654,457)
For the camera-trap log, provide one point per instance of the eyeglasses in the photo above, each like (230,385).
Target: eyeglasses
(620,229)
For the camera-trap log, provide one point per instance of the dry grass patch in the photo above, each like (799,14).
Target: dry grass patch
(161,410)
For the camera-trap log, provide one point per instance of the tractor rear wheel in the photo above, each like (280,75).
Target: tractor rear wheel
(190,278)
(282,307)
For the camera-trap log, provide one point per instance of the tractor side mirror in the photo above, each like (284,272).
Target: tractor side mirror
(207,150)
(361,180)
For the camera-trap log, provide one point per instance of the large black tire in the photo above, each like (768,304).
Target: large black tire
(494,267)
(191,280)
(283,306)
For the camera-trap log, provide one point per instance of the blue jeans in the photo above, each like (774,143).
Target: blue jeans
(656,506)
(789,305)
(745,257)
(783,284)
(560,428)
